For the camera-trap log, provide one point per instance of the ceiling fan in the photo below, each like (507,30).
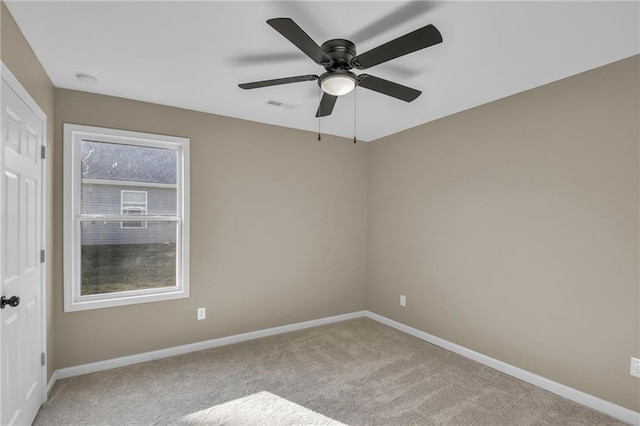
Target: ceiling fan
(338,57)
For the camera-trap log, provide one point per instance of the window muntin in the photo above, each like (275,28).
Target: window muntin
(126,217)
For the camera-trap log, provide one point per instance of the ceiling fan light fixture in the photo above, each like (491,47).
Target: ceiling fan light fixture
(337,83)
(337,56)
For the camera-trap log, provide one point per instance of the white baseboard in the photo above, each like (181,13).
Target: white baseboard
(606,407)
(78,370)
(52,381)
(609,408)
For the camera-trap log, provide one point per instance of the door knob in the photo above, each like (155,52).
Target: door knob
(13,301)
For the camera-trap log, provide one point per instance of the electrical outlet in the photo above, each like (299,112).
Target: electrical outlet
(635,367)
(202,313)
(403,300)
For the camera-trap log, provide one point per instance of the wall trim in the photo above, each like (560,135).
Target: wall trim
(598,404)
(580,397)
(17,87)
(93,367)
(52,381)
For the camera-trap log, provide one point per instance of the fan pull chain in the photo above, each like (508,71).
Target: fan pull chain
(319,110)
(355,103)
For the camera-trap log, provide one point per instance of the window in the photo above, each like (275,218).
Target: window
(133,203)
(126,217)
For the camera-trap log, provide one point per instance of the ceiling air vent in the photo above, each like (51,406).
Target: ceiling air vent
(281,104)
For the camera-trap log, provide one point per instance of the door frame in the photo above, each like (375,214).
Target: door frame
(7,76)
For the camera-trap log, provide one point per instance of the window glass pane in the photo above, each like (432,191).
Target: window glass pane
(107,169)
(114,259)
(134,197)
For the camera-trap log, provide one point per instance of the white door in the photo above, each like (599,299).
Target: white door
(20,267)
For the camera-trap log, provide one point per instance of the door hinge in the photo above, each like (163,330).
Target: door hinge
(43,152)
(42,256)
(43,359)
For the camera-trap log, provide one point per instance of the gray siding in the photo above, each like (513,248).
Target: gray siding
(105,199)
(111,233)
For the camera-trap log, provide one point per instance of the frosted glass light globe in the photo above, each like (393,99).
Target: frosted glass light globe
(338,85)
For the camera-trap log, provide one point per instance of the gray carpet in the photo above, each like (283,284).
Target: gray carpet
(262,408)
(357,372)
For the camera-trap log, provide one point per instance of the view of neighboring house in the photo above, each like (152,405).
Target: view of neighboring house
(131,181)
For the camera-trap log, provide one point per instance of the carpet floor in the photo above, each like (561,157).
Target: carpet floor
(356,372)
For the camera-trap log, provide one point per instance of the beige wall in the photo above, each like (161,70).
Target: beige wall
(278,231)
(17,55)
(512,229)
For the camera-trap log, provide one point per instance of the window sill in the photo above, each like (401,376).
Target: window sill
(84,304)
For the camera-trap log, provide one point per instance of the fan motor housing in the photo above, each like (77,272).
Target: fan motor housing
(341,51)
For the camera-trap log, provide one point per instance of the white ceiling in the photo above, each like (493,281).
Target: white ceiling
(193,54)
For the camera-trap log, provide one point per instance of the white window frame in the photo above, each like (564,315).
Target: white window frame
(73,218)
(141,207)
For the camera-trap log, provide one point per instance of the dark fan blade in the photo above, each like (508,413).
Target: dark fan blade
(388,88)
(408,43)
(399,16)
(275,82)
(326,105)
(265,58)
(292,32)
